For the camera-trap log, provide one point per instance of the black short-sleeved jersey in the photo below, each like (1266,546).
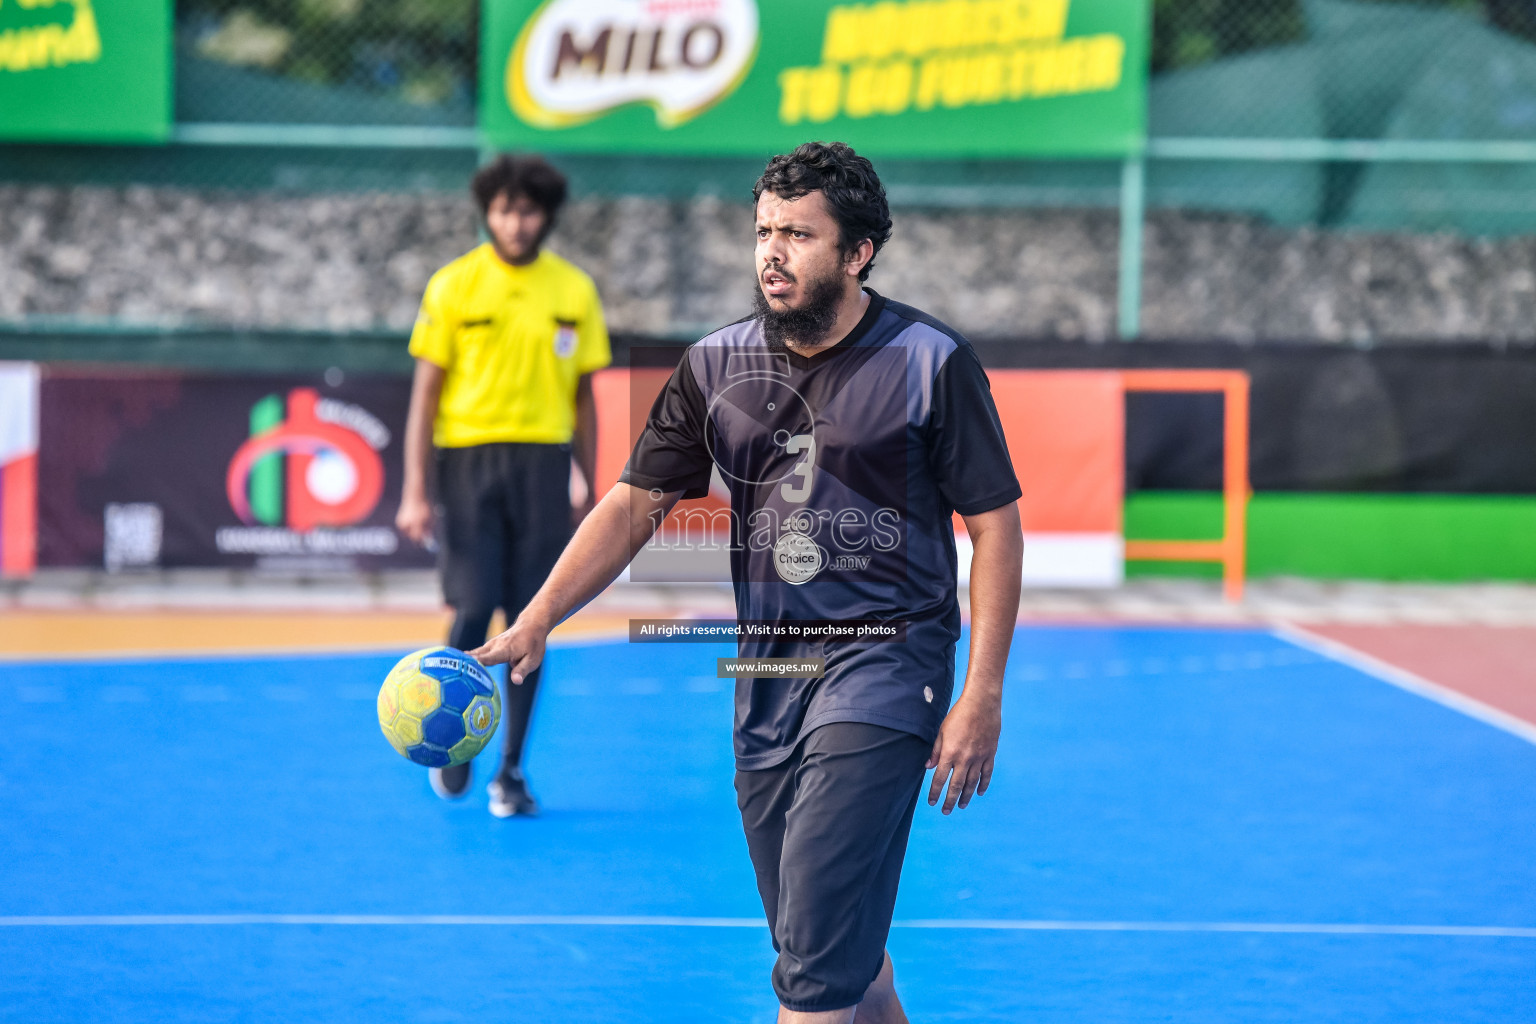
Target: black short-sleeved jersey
(844,469)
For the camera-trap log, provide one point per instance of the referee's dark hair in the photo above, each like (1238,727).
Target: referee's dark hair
(849,182)
(517,175)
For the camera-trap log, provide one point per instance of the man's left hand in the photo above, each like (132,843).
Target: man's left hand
(964,751)
(581,509)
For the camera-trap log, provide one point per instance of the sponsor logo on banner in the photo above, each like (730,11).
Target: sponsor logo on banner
(310,472)
(577,59)
(133,534)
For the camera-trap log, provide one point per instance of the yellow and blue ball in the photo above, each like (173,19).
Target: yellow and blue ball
(439,707)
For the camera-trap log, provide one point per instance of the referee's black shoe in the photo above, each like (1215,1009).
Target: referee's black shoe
(452,782)
(509,794)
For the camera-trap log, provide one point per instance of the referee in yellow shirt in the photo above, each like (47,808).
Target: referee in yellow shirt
(505,345)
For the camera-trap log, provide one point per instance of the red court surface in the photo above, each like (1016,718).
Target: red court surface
(1495,665)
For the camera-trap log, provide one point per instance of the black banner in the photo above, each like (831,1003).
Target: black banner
(142,469)
(1430,417)
(294,472)
(1427,418)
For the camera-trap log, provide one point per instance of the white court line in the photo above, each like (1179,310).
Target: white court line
(611,921)
(1405,680)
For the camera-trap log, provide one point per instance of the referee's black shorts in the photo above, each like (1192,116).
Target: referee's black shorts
(827,831)
(505,515)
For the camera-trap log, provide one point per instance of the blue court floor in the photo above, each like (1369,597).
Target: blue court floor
(1192,825)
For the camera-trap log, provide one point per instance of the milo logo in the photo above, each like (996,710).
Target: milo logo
(578,59)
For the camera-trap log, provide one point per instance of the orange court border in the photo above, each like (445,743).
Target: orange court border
(27,634)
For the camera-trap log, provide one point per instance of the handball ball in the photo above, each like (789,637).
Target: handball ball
(439,707)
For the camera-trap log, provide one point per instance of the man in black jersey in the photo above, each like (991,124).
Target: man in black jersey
(849,428)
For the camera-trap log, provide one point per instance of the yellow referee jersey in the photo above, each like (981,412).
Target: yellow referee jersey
(513,341)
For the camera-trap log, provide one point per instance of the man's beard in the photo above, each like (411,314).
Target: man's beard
(807,326)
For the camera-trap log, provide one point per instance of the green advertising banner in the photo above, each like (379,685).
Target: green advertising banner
(70,71)
(909,78)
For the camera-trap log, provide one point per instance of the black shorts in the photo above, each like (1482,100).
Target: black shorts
(504,515)
(827,831)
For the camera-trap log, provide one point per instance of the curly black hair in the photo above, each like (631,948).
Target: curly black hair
(521,175)
(849,183)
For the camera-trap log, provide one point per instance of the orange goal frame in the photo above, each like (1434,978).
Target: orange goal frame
(1231,549)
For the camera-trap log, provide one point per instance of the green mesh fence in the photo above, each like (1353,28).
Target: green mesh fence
(1283,68)
(398,62)
(1222,69)
(1452,71)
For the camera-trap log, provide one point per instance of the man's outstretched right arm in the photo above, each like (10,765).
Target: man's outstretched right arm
(605,542)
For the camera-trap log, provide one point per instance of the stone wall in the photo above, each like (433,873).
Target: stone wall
(169,256)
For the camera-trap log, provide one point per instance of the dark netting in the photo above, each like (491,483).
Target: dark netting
(1440,71)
